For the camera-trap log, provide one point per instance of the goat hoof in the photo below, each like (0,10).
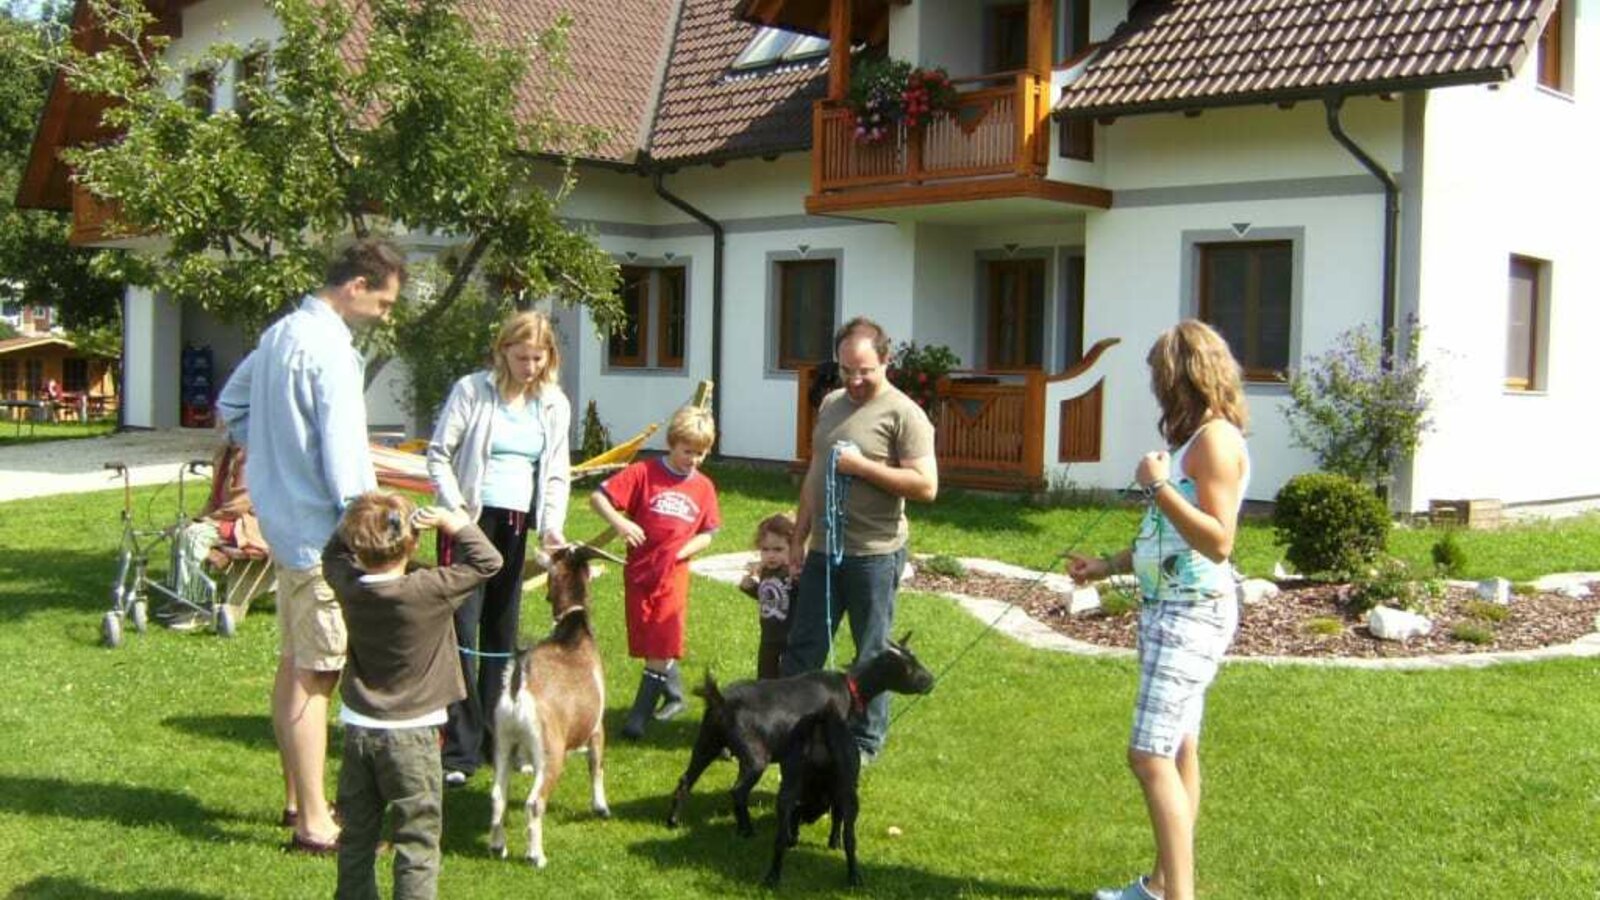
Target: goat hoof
(771,881)
(856,880)
(538,862)
(603,812)
(498,852)
(672,821)
(745,831)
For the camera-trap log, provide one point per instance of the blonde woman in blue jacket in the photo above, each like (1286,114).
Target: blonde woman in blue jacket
(500,453)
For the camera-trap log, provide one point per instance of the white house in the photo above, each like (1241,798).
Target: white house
(1111,168)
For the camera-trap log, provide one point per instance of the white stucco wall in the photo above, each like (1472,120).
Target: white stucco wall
(1504,174)
(151,346)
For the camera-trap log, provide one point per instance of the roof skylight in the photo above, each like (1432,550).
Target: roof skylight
(772,46)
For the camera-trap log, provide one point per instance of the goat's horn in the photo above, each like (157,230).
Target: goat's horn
(905,640)
(591,551)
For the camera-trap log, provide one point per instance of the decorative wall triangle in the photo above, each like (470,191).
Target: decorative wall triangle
(1241,228)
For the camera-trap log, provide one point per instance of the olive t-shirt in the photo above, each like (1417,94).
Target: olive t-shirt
(889,428)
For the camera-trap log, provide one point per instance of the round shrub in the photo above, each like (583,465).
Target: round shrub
(1331,524)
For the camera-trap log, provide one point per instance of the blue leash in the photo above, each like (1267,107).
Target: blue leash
(468,651)
(835,490)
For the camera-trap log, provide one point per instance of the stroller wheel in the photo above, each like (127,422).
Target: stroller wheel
(111,630)
(140,615)
(224,621)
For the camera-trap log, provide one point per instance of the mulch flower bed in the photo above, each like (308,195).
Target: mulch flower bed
(1282,626)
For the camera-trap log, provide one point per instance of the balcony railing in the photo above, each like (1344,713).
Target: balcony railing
(91,216)
(997,129)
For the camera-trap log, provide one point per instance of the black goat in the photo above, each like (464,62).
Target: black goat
(759,721)
(821,773)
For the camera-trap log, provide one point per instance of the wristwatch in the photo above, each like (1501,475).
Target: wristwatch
(1150,490)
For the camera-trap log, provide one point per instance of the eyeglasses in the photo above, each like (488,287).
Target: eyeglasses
(850,372)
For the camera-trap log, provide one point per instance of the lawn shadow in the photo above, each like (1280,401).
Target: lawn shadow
(75,889)
(251,732)
(60,579)
(810,868)
(119,804)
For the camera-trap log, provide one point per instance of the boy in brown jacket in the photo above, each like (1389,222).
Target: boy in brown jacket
(400,675)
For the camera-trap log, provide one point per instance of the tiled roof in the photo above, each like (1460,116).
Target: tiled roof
(706,112)
(616,50)
(1183,54)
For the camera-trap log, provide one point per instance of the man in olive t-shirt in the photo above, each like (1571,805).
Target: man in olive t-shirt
(890,459)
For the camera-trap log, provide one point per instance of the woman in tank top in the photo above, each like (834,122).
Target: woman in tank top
(1180,558)
(499,453)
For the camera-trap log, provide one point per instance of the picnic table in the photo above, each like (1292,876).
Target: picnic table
(31,410)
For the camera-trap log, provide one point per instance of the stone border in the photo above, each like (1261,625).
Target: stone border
(730,568)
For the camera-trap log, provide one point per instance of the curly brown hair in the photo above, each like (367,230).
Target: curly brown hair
(1194,375)
(780,524)
(377,527)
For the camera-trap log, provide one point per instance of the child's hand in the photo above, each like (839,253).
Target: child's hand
(448,521)
(631,533)
(1085,569)
(554,540)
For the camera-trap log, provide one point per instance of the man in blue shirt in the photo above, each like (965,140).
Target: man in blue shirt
(297,404)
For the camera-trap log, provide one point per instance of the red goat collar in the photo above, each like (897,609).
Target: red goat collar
(857,705)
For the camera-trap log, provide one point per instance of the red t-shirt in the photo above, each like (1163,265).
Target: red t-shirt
(671,509)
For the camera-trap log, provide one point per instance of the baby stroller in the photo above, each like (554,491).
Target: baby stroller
(206,580)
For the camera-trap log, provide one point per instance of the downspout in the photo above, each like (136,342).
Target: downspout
(1391,222)
(716,286)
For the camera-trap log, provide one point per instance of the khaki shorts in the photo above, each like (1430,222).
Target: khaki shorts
(310,625)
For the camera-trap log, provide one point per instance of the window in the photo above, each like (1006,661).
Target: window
(200,90)
(75,376)
(629,343)
(772,46)
(1014,327)
(1007,46)
(1077,138)
(1247,294)
(9,386)
(672,317)
(35,377)
(1550,53)
(656,301)
(1527,323)
(251,75)
(806,292)
(1072,29)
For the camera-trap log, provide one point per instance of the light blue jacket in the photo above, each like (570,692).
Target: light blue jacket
(458,455)
(297,404)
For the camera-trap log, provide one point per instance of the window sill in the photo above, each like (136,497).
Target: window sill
(644,370)
(1556,93)
(1525,392)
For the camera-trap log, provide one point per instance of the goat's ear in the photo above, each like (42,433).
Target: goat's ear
(585,552)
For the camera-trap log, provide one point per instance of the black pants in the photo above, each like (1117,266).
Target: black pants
(487,622)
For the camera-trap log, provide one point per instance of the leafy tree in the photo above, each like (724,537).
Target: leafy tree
(37,265)
(1360,408)
(6,331)
(404,124)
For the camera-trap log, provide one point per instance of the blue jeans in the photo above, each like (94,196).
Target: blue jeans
(864,590)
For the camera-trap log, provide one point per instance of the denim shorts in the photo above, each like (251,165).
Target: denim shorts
(1180,647)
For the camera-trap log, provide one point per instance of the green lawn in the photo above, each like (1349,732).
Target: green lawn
(150,771)
(12,435)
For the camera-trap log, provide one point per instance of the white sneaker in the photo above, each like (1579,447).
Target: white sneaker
(1133,890)
(454,778)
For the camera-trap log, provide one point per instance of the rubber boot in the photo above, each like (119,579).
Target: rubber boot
(651,685)
(672,693)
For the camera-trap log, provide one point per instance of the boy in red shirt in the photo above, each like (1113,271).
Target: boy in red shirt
(666,511)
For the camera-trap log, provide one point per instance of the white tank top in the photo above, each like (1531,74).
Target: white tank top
(1169,569)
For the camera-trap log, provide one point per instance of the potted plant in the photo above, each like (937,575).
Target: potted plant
(916,371)
(886,92)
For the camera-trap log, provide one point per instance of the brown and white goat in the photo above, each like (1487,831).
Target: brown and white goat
(553,703)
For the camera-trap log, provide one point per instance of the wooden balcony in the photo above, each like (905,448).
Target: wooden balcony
(91,217)
(990,428)
(994,146)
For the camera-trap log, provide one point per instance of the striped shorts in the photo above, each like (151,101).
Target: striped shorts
(1180,647)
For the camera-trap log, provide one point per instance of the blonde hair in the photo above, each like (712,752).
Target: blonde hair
(377,526)
(693,426)
(780,524)
(1193,374)
(526,328)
